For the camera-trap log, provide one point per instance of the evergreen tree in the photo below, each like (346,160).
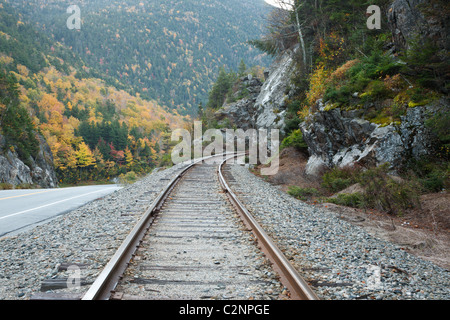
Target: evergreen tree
(147,152)
(220,89)
(104,149)
(242,68)
(15,123)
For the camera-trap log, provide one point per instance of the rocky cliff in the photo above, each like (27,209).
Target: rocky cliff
(418,20)
(264,107)
(338,138)
(38,171)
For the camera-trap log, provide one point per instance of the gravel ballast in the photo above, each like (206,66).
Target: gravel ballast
(341,261)
(87,237)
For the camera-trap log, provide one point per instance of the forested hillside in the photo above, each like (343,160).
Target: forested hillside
(166,50)
(95,131)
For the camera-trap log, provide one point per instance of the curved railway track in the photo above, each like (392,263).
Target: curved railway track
(185,245)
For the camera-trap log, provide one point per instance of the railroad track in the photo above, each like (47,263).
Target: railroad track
(191,244)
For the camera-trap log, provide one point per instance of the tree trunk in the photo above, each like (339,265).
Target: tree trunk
(302,42)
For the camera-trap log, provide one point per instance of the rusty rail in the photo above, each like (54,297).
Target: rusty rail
(289,276)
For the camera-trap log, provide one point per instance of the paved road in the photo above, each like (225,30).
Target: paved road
(23,209)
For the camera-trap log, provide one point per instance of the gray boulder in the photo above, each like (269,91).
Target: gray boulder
(338,138)
(40,171)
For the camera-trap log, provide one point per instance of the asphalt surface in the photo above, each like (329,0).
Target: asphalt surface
(24,209)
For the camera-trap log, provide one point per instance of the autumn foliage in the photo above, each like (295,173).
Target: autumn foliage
(95,132)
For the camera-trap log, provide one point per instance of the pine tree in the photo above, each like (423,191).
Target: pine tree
(219,90)
(15,122)
(147,153)
(242,68)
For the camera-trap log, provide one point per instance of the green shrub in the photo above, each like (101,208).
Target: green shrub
(337,179)
(439,124)
(432,175)
(385,194)
(354,200)
(341,95)
(295,139)
(375,90)
(292,120)
(364,77)
(26,186)
(166,161)
(381,191)
(435,181)
(302,193)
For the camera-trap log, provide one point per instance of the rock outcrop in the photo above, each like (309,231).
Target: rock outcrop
(264,106)
(419,20)
(242,113)
(271,101)
(338,138)
(39,171)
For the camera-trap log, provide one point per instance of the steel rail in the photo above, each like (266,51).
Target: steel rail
(105,284)
(103,287)
(298,287)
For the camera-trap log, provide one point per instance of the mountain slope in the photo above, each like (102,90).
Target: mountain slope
(94,130)
(167,50)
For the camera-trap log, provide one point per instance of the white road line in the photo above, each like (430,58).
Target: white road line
(51,204)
